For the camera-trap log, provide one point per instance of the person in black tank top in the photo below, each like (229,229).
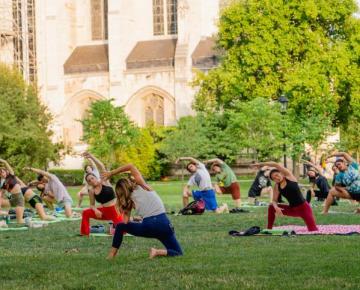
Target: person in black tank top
(102,192)
(287,186)
(14,183)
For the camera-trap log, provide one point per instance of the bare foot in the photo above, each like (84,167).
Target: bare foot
(357,211)
(112,254)
(152,253)
(49,218)
(324,213)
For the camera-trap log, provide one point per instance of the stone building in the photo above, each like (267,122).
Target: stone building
(141,53)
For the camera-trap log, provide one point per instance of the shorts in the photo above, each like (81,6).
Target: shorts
(64,203)
(17,199)
(34,200)
(208,196)
(355,196)
(233,189)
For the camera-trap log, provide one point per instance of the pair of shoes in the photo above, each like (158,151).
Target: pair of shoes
(98,229)
(249,232)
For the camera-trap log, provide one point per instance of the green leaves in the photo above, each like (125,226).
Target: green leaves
(24,135)
(309,50)
(107,129)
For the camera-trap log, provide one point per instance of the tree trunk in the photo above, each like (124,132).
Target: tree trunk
(182,171)
(296,170)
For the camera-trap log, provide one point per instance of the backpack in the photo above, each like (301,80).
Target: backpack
(194,207)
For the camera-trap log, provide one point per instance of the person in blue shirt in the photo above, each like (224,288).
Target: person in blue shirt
(347,181)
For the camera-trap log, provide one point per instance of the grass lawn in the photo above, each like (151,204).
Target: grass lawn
(55,258)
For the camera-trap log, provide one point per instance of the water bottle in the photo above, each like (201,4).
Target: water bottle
(7,219)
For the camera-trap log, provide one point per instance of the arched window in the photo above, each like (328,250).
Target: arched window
(165,17)
(99,19)
(154,109)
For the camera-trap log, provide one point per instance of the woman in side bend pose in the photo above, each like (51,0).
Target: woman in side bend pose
(53,184)
(29,195)
(200,178)
(226,180)
(9,184)
(102,192)
(286,185)
(347,180)
(89,168)
(134,193)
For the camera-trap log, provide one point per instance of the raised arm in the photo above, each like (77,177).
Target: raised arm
(8,167)
(277,166)
(92,163)
(133,171)
(215,160)
(100,166)
(39,171)
(345,155)
(191,159)
(317,168)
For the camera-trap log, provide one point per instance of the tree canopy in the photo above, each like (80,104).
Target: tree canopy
(307,50)
(25,138)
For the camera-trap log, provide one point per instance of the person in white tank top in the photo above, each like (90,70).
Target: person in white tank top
(134,193)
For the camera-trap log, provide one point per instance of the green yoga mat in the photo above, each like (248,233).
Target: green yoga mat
(100,235)
(14,229)
(36,220)
(78,208)
(106,235)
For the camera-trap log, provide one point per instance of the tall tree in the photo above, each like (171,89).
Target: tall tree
(25,138)
(308,50)
(108,130)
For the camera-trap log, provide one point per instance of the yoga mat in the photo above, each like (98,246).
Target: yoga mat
(323,229)
(100,235)
(68,219)
(78,208)
(36,220)
(14,229)
(106,235)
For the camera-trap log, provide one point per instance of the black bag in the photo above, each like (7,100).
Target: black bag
(194,207)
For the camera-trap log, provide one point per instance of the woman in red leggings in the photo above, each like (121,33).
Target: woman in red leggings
(286,185)
(103,193)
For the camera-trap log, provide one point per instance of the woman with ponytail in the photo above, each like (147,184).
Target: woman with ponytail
(134,193)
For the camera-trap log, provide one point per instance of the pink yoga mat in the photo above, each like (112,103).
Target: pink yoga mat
(323,229)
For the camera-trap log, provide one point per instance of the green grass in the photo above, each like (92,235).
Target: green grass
(40,258)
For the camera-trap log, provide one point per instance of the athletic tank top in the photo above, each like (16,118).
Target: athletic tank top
(105,195)
(292,193)
(147,203)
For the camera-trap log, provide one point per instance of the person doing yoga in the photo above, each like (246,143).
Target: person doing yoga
(200,178)
(286,185)
(133,193)
(15,199)
(53,184)
(102,192)
(347,180)
(33,199)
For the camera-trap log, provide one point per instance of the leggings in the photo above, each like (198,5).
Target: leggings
(303,211)
(320,195)
(108,213)
(158,227)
